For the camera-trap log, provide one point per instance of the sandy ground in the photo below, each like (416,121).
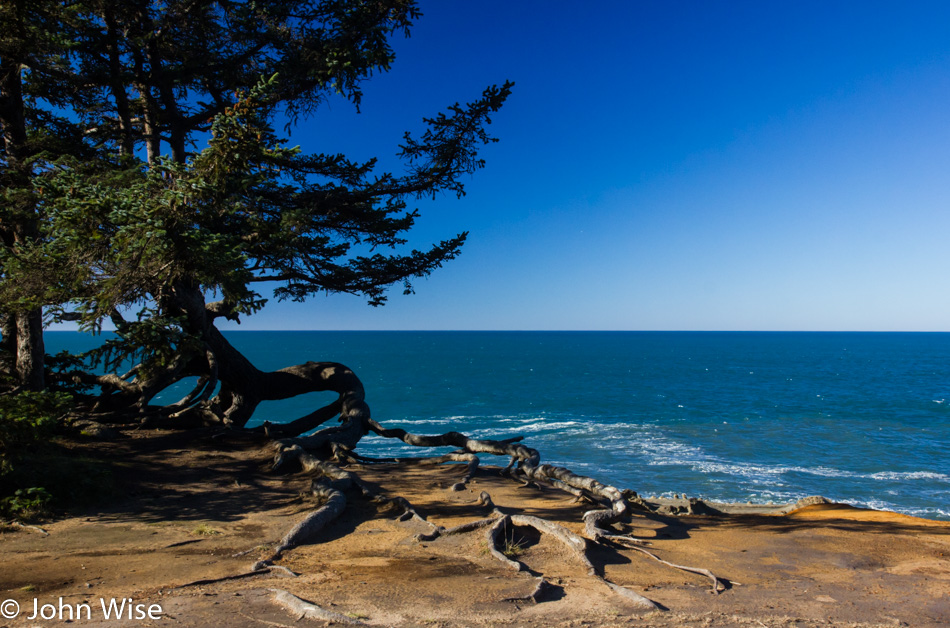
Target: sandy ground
(188,511)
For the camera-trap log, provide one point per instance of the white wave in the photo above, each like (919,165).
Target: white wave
(754,470)
(880,475)
(460,418)
(927,513)
(419,422)
(497,417)
(909,475)
(684,455)
(766,496)
(873,504)
(744,470)
(555,425)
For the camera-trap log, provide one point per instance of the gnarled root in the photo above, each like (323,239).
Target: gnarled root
(717,585)
(331,481)
(329,484)
(632,596)
(334,503)
(495,534)
(496,538)
(303,609)
(526,462)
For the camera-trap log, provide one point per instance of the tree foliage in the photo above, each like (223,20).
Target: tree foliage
(142,173)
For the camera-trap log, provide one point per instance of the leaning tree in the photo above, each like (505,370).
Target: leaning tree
(175,200)
(135,215)
(167,236)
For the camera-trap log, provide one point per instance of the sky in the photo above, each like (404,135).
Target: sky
(701,165)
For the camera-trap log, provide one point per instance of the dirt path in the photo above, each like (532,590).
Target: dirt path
(188,511)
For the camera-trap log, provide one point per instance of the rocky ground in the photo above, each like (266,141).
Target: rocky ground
(189,513)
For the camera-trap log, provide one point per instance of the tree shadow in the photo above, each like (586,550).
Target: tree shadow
(222,479)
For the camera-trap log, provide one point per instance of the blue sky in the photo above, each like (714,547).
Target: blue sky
(672,165)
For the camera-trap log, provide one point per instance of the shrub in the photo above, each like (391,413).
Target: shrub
(29,420)
(28,423)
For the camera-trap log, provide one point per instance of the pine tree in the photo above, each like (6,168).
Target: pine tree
(36,83)
(121,225)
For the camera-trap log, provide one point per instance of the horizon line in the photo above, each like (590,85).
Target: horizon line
(593,331)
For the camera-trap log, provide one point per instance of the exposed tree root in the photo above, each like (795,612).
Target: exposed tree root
(331,481)
(229,389)
(471,526)
(578,546)
(526,461)
(334,502)
(716,583)
(303,609)
(329,486)
(324,452)
(496,534)
(325,488)
(622,539)
(288,573)
(632,596)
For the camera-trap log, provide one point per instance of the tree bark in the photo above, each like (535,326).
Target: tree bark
(30,350)
(7,345)
(117,85)
(30,353)
(246,386)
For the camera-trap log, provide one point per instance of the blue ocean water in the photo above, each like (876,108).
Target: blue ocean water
(862,418)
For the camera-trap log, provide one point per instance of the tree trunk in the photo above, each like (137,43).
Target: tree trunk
(244,386)
(117,85)
(7,346)
(30,353)
(30,350)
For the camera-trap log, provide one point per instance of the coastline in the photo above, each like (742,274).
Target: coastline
(661,411)
(187,512)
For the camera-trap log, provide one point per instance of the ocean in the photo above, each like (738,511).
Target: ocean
(861,418)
